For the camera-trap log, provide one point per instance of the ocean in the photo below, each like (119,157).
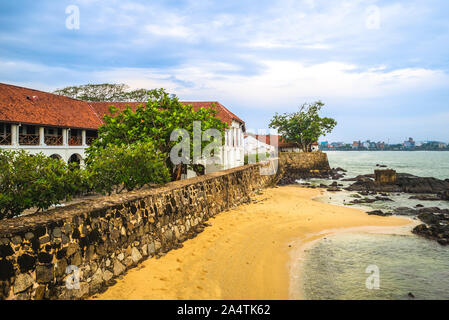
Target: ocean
(336,267)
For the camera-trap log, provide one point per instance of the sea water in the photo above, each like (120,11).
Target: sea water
(336,268)
(340,267)
(420,163)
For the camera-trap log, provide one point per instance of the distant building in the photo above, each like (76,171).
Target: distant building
(409,144)
(380,145)
(258,144)
(356,145)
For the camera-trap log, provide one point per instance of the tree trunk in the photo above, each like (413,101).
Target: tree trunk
(177,172)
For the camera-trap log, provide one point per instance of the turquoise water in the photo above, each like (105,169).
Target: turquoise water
(335,268)
(420,163)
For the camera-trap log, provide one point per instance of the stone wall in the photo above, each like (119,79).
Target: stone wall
(100,239)
(297,165)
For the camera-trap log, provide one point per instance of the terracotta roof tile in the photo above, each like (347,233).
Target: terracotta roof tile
(223,113)
(29,106)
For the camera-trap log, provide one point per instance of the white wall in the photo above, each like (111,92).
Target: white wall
(64,152)
(253,146)
(233,151)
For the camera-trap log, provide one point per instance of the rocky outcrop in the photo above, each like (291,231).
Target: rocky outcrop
(303,165)
(404,183)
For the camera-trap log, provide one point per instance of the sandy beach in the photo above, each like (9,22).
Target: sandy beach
(247,252)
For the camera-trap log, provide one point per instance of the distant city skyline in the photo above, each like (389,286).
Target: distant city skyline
(380,67)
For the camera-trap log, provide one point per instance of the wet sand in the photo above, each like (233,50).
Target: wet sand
(249,252)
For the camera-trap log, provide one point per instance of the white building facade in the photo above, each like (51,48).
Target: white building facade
(254,146)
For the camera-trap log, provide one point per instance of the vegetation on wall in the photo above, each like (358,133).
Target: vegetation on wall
(126,167)
(35,182)
(303,127)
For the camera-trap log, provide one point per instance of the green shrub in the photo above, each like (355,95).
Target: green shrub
(34,182)
(126,167)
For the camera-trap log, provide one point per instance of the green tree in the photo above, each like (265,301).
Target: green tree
(155,121)
(126,167)
(104,92)
(303,127)
(35,182)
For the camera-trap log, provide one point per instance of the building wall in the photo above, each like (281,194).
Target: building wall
(253,146)
(232,153)
(100,239)
(64,151)
(297,165)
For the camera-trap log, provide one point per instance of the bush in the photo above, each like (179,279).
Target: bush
(120,167)
(37,181)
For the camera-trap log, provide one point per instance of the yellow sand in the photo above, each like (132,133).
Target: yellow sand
(245,254)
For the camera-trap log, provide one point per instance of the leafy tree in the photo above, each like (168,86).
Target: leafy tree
(303,127)
(35,182)
(126,167)
(155,121)
(104,92)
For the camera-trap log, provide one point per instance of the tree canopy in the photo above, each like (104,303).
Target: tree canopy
(104,92)
(303,127)
(155,121)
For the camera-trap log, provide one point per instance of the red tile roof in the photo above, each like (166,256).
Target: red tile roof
(29,106)
(274,140)
(223,113)
(102,108)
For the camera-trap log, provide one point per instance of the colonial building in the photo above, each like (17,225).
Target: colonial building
(258,144)
(63,128)
(282,145)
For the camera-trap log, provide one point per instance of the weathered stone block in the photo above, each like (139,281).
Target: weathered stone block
(135,255)
(385,176)
(45,273)
(22,282)
(118,268)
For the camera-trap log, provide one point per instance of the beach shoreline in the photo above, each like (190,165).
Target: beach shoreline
(299,255)
(248,252)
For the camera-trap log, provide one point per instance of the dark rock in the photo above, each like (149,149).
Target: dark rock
(44,273)
(333,189)
(44,257)
(444,195)
(411,295)
(404,183)
(405,211)
(6,251)
(424,197)
(379,213)
(26,262)
(6,269)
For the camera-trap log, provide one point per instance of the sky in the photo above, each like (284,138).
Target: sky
(380,67)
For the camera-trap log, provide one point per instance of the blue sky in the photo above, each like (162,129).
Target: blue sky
(381,67)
